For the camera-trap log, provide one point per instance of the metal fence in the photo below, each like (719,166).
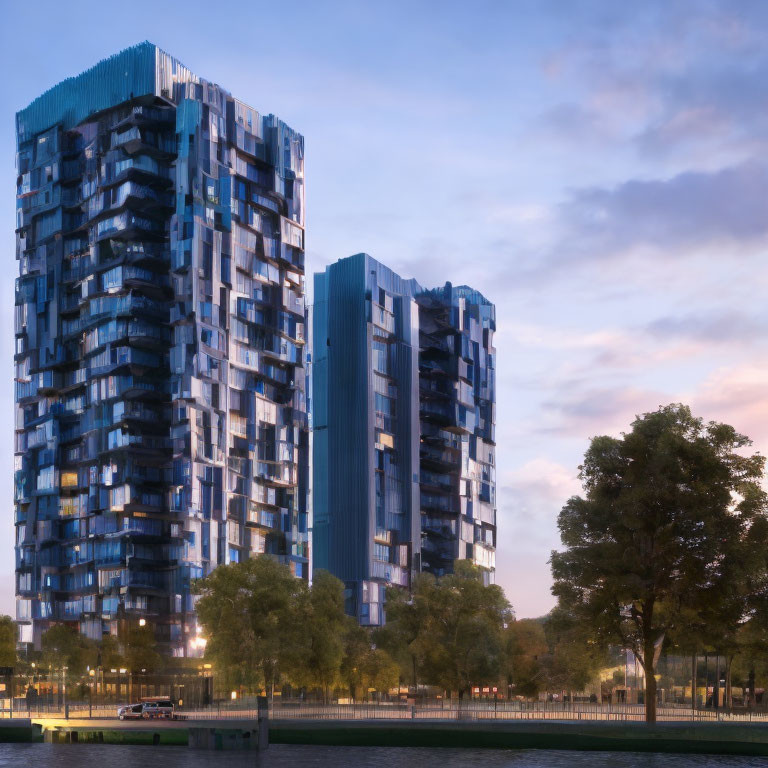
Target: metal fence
(474,710)
(447,710)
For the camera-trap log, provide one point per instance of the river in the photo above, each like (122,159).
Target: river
(280,756)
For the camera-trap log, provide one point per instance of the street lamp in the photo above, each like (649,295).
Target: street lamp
(64,690)
(142,622)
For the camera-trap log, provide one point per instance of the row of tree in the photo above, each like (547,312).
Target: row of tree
(266,628)
(63,646)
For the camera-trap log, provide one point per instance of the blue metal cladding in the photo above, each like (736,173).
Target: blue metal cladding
(161,422)
(403,430)
(121,77)
(365,430)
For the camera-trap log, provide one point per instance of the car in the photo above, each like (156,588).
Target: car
(147,709)
(130,712)
(156,707)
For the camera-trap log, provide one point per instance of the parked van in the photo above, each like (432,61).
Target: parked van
(157,706)
(149,708)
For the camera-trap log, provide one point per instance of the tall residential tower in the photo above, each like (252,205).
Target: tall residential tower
(403,430)
(366,522)
(161,422)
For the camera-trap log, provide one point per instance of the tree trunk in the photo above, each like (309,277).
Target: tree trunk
(728,686)
(751,685)
(650,694)
(649,666)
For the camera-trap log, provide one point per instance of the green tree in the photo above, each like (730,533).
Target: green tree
(364,665)
(464,631)
(380,671)
(64,646)
(357,644)
(8,633)
(140,650)
(654,530)
(403,635)
(109,655)
(526,649)
(574,659)
(247,611)
(320,643)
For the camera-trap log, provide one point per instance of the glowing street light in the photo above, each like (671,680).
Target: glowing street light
(198,643)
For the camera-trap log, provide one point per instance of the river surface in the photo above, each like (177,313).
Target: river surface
(283,756)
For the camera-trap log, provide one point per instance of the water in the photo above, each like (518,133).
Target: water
(281,756)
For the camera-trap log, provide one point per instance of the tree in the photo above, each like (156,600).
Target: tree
(526,649)
(320,644)
(64,646)
(364,665)
(357,644)
(248,616)
(380,671)
(140,650)
(403,635)
(8,634)
(463,633)
(110,656)
(574,660)
(654,533)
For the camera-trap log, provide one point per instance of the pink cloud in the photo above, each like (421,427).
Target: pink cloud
(737,396)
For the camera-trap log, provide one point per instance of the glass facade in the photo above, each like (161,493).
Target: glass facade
(403,430)
(457,396)
(161,416)
(365,430)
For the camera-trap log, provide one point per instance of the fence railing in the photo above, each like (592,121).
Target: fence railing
(468,711)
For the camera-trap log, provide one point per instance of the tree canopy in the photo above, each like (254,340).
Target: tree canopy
(451,628)
(668,514)
(8,634)
(248,613)
(64,646)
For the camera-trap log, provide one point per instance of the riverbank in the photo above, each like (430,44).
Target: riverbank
(681,738)
(20,730)
(693,738)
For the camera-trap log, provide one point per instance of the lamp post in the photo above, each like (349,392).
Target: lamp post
(91,674)
(64,692)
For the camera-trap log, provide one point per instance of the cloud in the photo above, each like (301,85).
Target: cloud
(737,395)
(710,328)
(586,410)
(531,492)
(669,216)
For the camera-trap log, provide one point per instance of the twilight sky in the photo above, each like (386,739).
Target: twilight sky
(597,169)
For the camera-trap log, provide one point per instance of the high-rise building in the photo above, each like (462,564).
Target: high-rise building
(161,421)
(365,491)
(458,399)
(403,430)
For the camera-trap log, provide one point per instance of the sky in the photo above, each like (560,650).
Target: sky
(596,169)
